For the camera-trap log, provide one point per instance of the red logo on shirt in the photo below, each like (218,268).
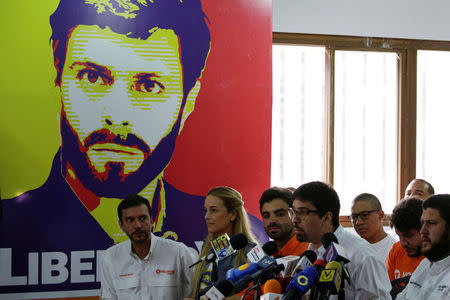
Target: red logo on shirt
(124,275)
(168,272)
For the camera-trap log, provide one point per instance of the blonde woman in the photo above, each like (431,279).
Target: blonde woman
(224,213)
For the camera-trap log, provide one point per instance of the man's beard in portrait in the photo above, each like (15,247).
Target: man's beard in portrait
(440,249)
(113,182)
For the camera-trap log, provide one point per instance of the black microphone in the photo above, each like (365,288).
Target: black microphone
(220,290)
(334,252)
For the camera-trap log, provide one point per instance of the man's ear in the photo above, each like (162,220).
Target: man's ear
(381,214)
(190,103)
(328,217)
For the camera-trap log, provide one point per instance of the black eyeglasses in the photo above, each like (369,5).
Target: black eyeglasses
(303,212)
(362,215)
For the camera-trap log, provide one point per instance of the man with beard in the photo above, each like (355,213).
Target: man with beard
(431,279)
(316,212)
(145,266)
(275,206)
(128,74)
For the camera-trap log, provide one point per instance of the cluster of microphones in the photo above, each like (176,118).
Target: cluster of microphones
(321,277)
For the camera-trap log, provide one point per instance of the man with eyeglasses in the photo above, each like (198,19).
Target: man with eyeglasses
(275,206)
(367,217)
(315,212)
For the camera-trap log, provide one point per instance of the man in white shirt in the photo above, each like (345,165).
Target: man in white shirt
(367,216)
(316,211)
(145,266)
(431,279)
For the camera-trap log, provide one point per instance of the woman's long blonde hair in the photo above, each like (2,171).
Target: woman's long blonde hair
(232,200)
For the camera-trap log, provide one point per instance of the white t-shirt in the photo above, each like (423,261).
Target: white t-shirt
(431,280)
(368,274)
(384,246)
(163,274)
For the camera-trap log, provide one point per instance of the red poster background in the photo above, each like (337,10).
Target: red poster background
(227,139)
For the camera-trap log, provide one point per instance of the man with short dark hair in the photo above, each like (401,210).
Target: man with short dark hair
(405,255)
(419,188)
(275,206)
(431,279)
(367,216)
(145,266)
(316,212)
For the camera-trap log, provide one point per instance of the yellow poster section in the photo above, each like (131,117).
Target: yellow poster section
(29,106)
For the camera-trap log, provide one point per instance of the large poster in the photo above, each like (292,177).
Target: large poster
(105,98)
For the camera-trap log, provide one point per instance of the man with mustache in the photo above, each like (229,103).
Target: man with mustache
(145,266)
(431,279)
(367,217)
(316,212)
(275,206)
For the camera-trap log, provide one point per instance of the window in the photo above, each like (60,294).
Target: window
(362,114)
(298,120)
(433,112)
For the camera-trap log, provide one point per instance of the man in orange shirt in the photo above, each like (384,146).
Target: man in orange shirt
(405,255)
(275,206)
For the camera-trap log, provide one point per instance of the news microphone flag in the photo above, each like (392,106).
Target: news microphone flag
(301,283)
(330,279)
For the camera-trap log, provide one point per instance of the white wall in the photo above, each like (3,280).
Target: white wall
(414,19)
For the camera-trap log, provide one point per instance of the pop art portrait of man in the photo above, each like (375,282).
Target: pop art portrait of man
(128,74)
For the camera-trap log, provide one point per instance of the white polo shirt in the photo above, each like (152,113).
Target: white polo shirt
(163,274)
(431,280)
(368,274)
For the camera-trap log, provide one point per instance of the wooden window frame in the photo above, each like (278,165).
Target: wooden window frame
(407,89)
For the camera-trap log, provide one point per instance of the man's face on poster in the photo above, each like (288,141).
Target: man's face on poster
(122,107)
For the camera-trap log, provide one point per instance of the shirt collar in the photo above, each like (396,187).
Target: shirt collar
(338,232)
(153,241)
(442,264)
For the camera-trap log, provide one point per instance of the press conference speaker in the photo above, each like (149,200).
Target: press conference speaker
(316,210)
(224,213)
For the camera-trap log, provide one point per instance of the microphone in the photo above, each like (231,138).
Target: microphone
(271,290)
(236,274)
(330,280)
(257,253)
(301,283)
(223,246)
(220,290)
(271,269)
(334,252)
(259,259)
(307,259)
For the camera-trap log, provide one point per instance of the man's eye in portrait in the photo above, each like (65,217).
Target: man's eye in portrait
(87,71)
(146,83)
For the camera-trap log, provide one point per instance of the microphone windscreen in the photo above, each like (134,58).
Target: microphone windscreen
(225,287)
(270,248)
(327,238)
(272,286)
(310,255)
(238,241)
